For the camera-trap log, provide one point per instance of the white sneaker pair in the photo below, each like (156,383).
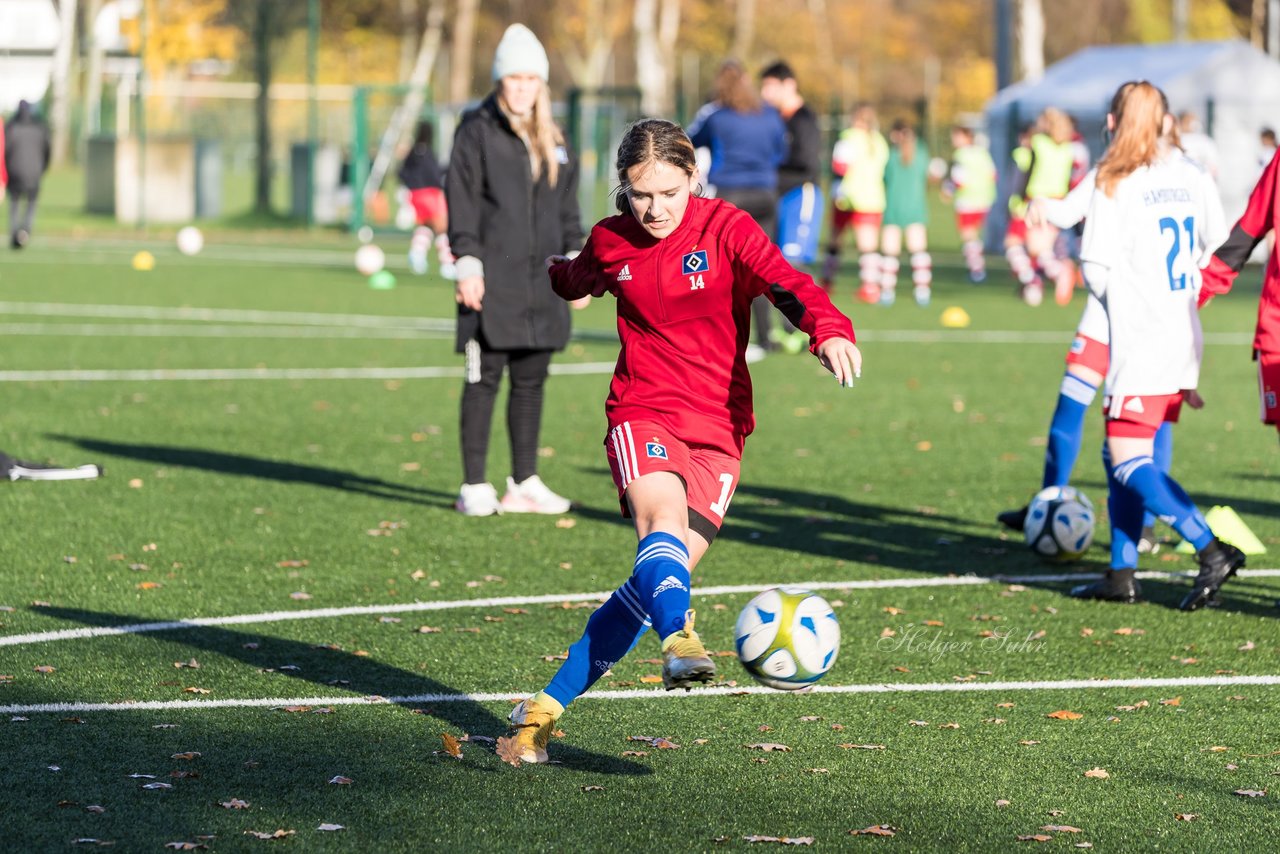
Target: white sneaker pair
(528,496)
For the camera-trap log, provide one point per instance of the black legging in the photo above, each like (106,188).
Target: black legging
(528,372)
(761,205)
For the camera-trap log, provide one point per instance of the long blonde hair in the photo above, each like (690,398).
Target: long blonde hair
(1139,110)
(540,134)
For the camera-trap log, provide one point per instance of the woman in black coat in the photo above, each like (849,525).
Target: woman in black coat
(512,189)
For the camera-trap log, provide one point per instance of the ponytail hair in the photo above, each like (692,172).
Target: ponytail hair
(1139,110)
(652,141)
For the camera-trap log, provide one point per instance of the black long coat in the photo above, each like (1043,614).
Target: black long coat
(497,213)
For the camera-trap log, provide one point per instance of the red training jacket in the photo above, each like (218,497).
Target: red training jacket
(684,316)
(1260,216)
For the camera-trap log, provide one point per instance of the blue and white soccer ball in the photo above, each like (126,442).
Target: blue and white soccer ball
(1059,524)
(787,638)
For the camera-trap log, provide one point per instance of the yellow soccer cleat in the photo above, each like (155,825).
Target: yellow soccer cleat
(532,721)
(685,662)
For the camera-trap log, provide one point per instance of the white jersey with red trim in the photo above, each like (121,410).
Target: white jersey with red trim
(1143,249)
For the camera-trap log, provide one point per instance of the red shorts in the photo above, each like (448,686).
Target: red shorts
(1017,229)
(1089,353)
(970,219)
(710,476)
(1269,387)
(842,219)
(1140,416)
(429,205)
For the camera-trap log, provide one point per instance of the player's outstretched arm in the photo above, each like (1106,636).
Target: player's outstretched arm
(842,358)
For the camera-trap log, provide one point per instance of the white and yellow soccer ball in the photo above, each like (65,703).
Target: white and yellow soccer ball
(787,638)
(1060,521)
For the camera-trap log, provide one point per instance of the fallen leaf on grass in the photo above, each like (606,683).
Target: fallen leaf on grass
(1028,742)
(1217,748)
(768,747)
(278,834)
(293,564)
(566,523)
(1033,837)
(44,668)
(191,663)
(1172,701)
(848,746)
(429,630)
(1185,816)
(593,788)
(650,679)
(1126,630)
(1061,828)
(342,781)
(782,840)
(95,809)
(1064,715)
(187,756)
(1250,793)
(185,846)
(918,723)
(1004,705)
(157,785)
(234,804)
(635,753)
(149,585)
(299,595)
(1246,646)
(1097,773)
(892,611)
(451,745)
(184,775)
(874,830)
(1002,803)
(808,718)
(508,751)
(327,826)
(819,771)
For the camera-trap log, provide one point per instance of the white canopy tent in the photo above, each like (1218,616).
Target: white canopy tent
(1233,87)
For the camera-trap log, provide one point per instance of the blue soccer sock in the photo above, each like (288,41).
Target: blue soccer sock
(1066,430)
(1125,509)
(1163,496)
(662,579)
(1163,455)
(612,630)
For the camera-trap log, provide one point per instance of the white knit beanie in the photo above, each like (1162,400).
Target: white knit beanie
(520,52)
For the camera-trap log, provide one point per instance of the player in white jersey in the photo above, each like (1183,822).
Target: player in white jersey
(1088,359)
(1154,218)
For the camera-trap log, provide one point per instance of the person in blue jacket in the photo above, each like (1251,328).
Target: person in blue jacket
(748,142)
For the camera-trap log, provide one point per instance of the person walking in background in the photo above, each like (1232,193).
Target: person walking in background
(906,214)
(512,190)
(747,139)
(971,186)
(1048,176)
(1197,144)
(680,404)
(26,157)
(421,175)
(800,197)
(858,200)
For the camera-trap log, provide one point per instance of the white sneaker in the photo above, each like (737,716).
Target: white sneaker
(478,499)
(533,496)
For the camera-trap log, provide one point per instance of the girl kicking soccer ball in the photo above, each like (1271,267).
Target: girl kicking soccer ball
(1153,217)
(684,271)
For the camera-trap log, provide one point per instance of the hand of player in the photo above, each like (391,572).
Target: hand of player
(1192,398)
(842,358)
(1035,213)
(470,292)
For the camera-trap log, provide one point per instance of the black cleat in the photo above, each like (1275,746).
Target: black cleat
(1218,562)
(1014,520)
(1147,542)
(1119,585)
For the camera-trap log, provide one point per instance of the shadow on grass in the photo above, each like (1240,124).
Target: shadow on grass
(243,465)
(341,672)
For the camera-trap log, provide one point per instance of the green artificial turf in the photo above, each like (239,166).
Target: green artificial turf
(238,497)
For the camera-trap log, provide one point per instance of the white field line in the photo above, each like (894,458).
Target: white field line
(203,374)
(353,321)
(653,694)
(198,330)
(556,598)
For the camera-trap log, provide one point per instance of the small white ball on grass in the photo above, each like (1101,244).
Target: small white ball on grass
(190,240)
(370,259)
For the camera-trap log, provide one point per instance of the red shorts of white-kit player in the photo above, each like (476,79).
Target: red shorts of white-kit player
(1089,353)
(637,448)
(428,204)
(1140,416)
(970,219)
